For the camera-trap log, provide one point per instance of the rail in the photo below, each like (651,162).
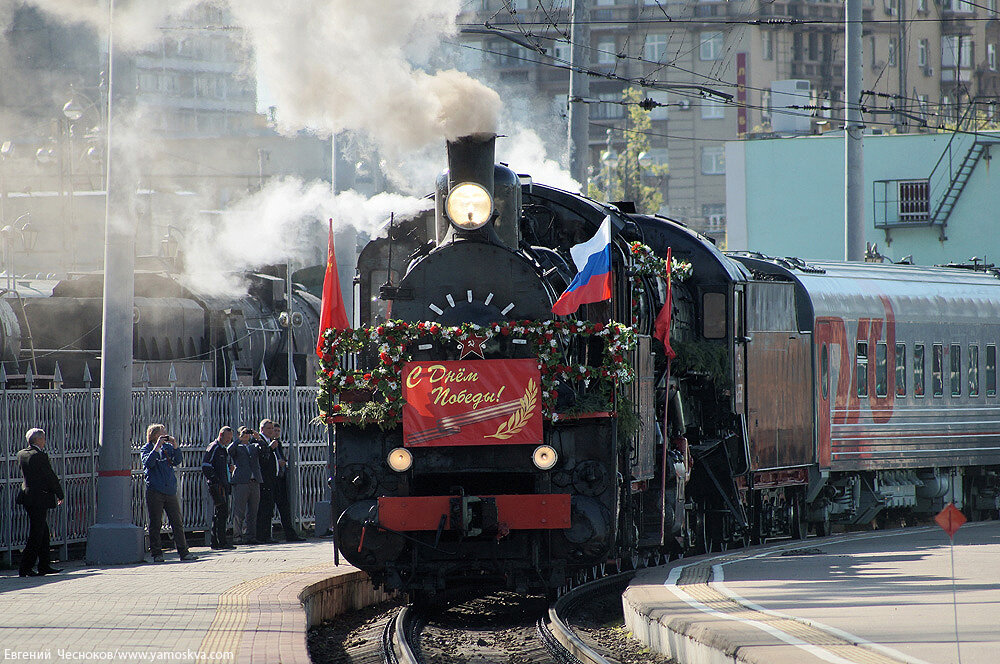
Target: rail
(194,415)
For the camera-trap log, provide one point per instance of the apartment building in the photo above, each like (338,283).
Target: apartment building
(713,63)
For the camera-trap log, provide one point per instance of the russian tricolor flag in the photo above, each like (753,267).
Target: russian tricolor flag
(592,282)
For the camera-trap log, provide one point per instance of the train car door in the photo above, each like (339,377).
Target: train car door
(739,351)
(829,349)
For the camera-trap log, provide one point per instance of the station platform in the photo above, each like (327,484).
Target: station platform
(242,605)
(880,597)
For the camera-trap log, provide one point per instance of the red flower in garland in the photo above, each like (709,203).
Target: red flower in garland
(367,376)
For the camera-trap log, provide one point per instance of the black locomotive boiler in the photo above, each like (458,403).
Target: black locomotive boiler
(802,396)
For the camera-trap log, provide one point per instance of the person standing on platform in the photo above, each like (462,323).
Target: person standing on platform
(247,481)
(40,492)
(215,467)
(159,456)
(281,497)
(269,472)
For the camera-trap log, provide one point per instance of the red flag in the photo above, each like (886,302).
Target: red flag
(333,314)
(661,330)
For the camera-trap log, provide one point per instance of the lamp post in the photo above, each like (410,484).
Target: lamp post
(73,111)
(29,237)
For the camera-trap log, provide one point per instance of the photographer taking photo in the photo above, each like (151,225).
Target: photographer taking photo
(159,456)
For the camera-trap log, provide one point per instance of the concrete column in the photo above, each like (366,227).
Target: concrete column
(114,539)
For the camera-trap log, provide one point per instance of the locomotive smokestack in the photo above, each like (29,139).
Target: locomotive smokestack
(465,205)
(471,159)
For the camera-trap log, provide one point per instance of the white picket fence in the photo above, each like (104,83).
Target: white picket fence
(193,416)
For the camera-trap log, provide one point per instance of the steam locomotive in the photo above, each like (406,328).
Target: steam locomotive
(802,395)
(236,338)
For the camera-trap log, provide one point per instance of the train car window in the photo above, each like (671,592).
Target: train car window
(937,370)
(918,370)
(955,374)
(824,364)
(973,370)
(861,373)
(991,371)
(881,369)
(900,370)
(714,315)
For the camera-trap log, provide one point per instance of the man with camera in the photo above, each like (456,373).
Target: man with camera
(159,456)
(39,493)
(246,486)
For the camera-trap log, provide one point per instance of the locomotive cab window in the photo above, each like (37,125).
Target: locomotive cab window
(900,370)
(991,371)
(955,374)
(861,372)
(974,370)
(937,370)
(881,369)
(714,315)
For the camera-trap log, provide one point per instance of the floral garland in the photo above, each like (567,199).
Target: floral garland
(393,340)
(645,263)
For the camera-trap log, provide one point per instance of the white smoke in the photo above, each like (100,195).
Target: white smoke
(277,224)
(524,151)
(342,64)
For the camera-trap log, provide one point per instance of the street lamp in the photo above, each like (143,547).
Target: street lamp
(29,237)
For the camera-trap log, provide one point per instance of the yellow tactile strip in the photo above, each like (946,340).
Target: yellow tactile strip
(233,611)
(695,582)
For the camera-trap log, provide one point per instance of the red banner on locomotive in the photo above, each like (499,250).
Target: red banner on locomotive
(479,402)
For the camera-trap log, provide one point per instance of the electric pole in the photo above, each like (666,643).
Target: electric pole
(579,88)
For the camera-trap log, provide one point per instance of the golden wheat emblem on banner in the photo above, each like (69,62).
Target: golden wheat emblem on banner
(519,419)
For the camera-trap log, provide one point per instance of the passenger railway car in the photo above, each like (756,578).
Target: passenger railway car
(481,438)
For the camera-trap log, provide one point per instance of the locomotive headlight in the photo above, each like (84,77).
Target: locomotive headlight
(469,206)
(545,457)
(400,459)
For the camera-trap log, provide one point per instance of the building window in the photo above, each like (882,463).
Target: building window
(937,370)
(711,45)
(606,52)
(767,48)
(914,200)
(561,51)
(713,161)
(918,370)
(921,5)
(991,56)
(813,53)
(872,49)
(922,57)
(991,371)
(765,106)
(892,51)
(973,370)
(956,51)
(656,46)
(900,370)
(610,107)
(861,368)
(955,357)
(712,109)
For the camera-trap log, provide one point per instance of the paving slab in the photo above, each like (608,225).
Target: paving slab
(228,606)
(874,598)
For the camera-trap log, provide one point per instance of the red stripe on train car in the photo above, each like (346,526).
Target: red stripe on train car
(515,512)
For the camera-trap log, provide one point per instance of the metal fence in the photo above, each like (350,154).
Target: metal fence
(193,415)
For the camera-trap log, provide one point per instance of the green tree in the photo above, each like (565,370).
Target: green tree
(626,178)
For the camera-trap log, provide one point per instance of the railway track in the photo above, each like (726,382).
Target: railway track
(499,627)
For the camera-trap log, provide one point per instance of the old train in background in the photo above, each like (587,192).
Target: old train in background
(802,395)
(50,321)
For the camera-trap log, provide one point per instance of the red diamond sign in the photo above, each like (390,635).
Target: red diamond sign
(950,519)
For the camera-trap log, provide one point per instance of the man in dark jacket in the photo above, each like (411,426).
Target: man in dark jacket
(40,492)
(215,467)
(274,489)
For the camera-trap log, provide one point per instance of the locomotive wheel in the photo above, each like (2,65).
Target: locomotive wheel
(797,517)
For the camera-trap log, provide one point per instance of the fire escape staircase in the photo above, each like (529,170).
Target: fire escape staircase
(959,177)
